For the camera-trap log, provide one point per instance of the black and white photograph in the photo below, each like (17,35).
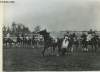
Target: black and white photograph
(51,35)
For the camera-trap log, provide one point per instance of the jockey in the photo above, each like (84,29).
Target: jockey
(65,44)
(89,36)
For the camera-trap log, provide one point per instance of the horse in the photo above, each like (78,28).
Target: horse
(68,48)
(65,45)
(49,42)
(76,43)
(83,41)
(19,40)
(8,41)
(94,43)
(87,40)
(73,42)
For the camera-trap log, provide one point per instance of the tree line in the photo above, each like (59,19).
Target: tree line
(16,29)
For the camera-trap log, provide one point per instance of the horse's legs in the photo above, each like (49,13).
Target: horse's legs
(53,48)
(18,43)
(59,51)
(83,47)
(72,48)
(43,51)
(92,48)
(77,46)
(95,46)
(86,46)
(63,51)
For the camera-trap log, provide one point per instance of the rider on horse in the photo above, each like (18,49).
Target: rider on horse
(65,44)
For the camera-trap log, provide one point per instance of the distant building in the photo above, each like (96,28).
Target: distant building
(37,36)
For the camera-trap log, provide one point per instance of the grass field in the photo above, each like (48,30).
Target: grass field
(30,59)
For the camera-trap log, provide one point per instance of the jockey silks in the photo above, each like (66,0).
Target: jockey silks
(65,43)
(89,37)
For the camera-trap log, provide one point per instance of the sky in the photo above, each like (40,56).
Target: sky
(54,15)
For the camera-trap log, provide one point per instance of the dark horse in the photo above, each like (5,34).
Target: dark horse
(8,41)
(73,42)
(92,42)
(48,41)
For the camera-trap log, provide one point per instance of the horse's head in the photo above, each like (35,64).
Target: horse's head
(54,39)
(45,34)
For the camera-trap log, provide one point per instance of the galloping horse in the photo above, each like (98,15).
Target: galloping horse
(48,41)
(94,43)
(68,46)
(89,40)
(19,40)
(73,42)
(83,40)
(8,41)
